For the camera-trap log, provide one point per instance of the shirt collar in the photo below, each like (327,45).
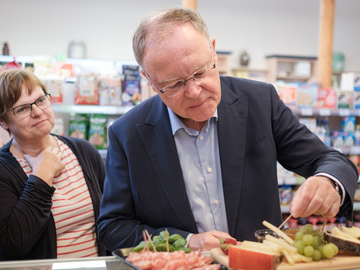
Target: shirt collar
(177,124)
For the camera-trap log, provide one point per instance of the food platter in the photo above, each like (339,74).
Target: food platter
(121,254)
(341,261)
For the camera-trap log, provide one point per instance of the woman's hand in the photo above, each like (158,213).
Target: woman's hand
(47,164)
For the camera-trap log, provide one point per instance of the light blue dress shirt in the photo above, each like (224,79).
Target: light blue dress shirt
(200,162)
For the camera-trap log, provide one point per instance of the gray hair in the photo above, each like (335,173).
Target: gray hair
(159,25)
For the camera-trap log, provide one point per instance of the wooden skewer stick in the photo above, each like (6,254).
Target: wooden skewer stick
(286,220)
(149,239)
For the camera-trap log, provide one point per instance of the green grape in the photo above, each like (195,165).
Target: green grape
(309,251)
(300,246)
(328,251)
(308,239)
(307,228)
(321,239)
(315,242)
(299,236)
(320,248)
(336,249)
(317,255)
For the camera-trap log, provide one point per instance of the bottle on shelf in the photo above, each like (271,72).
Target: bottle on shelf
(5,49)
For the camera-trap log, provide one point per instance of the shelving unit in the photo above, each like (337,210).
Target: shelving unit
(290,68)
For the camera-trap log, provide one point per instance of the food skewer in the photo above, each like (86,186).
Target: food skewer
(286,220)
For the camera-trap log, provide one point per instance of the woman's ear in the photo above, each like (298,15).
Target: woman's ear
(3,125)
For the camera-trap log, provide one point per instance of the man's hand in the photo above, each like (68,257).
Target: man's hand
(316,196)
(207,240)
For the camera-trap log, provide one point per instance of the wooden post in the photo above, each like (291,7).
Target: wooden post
(190,4)
(326,32)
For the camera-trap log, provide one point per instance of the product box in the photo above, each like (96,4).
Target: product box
(348,123)
(131,94)
(287,93)
(356,100)
(326,98)
(345,100)
(307,95)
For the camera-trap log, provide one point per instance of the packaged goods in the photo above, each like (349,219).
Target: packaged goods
(348,123)
(287,93)
(87,91)
(345,100)
(307,95)
(78,126)
(59,127)
(53,85)
(326,98)
(131,85)
(98,131)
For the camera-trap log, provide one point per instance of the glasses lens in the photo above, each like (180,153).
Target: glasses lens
(22,111)
(43,102)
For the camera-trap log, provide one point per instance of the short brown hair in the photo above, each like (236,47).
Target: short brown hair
(11,84)
(157,26)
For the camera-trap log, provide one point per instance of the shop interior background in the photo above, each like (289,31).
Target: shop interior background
(261,27)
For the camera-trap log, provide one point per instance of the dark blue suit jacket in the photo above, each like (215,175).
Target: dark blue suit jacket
(144,186)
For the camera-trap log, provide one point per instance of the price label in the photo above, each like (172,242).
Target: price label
(344,112)
(324,112)
(306,111)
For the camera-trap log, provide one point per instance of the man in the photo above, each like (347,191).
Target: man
(200,157)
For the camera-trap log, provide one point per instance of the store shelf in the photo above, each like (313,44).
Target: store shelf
(109,110)
(326,112)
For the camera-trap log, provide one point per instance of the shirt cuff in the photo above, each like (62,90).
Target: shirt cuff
(343,193)
(188,238)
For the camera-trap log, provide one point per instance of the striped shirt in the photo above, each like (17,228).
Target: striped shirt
(72,208)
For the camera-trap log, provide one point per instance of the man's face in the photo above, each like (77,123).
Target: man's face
(184,55)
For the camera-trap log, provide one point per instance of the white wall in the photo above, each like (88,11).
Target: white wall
(262,27)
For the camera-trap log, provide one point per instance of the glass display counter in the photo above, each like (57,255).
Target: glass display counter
(93,263)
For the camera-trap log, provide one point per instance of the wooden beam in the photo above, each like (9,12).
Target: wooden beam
(326,33)
(190,4)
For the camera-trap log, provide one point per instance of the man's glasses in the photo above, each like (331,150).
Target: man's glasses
(25,110)
(177,87)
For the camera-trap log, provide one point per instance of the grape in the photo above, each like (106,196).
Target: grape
(307,229)
(308,251)
(315,242)
(317,255)
(311,243)
(328,251)
(336,249)
(300,246)
(308,239)
(299,236)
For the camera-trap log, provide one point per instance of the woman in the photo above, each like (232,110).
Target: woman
(50,186)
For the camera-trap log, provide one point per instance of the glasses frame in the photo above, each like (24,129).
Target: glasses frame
(213,66)
(47,96)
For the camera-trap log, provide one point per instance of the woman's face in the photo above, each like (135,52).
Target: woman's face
(37,124)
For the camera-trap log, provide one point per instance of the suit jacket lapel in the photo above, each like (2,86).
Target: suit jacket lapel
(158,140)
(232,125)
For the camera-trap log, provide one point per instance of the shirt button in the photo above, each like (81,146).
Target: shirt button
(201,138)
(216,201)
(209,169)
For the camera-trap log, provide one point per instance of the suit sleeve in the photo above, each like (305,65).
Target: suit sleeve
(301,151)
